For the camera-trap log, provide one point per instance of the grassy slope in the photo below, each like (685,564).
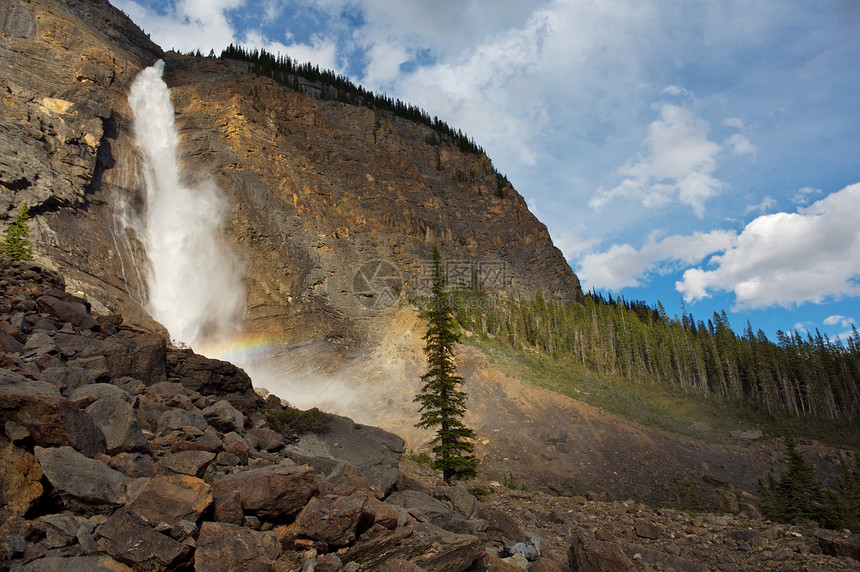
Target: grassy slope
(688,413)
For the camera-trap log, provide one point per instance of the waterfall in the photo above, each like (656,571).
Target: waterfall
(194,280)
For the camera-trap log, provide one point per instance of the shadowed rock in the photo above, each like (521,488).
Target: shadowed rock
(270,493)
(85,485)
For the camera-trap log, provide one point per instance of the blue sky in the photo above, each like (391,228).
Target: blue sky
(677,150)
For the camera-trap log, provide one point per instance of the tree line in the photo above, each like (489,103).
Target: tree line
(337,87)
(802,374)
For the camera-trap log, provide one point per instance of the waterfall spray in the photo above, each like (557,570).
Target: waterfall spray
(194,281)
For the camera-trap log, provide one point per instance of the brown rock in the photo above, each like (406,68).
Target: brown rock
(172,499)
(833,546)
(20,479)
(331,519)
(270,493)
(212,377)
(238,448)
(192,463)
(135,543)
(268,439)
(228,508)
(53,422)
(226,548)
(398,565)
(377,512)
(589,555)
(133,465)
(645,529)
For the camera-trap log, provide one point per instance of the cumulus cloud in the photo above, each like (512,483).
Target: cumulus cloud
(740,145)
(786,259)
(623,266)
(677,161)
(572,247)
(186,25)
(838,320)
(321,52)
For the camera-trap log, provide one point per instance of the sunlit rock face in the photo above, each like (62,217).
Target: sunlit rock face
(311,190)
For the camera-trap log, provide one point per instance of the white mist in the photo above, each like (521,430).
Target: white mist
(194,281)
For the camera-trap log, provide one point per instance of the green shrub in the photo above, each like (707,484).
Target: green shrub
(16,238)
(292,422)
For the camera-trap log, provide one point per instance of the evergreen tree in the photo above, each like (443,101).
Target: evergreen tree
(443,403)
(16,239)
(797,494)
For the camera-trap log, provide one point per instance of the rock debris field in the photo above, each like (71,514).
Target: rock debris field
(120,453)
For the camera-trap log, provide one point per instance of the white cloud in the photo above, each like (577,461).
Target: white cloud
(765,205)
(319,51)
(801,197)
(572,247)
(740,145)
(677,160)
(624,266)
(785,259)
(842,321)
(187,25)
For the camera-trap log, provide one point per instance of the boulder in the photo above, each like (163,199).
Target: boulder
(173,419)
(192,463)
(834,546)
(85,485)
(86,395)
(212,377)
(70,377)
(53,421)
(133,465)
(645,529)
(425,508)
(12,383)
(118,421)
(71,312)
(172,499)
(331,519)
(270,493)
(95,366)
(591,555)
(268,439)
(225,547)
(371,450)
(142,356)
(20,479)
(224,417)
(132,541)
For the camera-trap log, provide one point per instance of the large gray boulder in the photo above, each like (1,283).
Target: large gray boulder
(85,485)
(12,383)
(425,508)
(373,451)
(118,421)
(224,417)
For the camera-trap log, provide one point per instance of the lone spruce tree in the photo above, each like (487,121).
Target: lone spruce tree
(16,238)
(443,403)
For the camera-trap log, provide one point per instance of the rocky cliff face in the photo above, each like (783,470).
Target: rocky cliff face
(317,188)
